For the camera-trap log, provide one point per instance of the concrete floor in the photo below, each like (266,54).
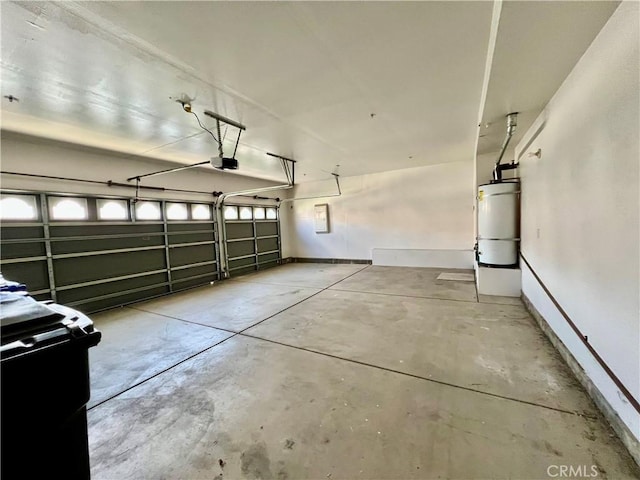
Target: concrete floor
(337,371)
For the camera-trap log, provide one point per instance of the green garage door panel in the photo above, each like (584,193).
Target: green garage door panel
(188,227)
(120,286)
(242,266)
(194,282)
(252,231)
(267,244)
(241,262)
(101,304)
(9,232)
(183,273)
(83,230)
(179,256)
(266,228)
(264,266)
(239,230)
(243,271)
(175,238)
(89,245)
(69,271)
(41,297)
(240,249)
(268,257)
(33,274)
(23,250)
(268,260)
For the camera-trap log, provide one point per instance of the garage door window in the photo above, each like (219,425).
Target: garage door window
(258,213)
(230,213)
(68,208)
(148,211)
(246,213)
(200,212)
(113,209)
(18,207)
(177,211)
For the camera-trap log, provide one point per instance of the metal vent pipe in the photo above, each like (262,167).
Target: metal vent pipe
(512,123)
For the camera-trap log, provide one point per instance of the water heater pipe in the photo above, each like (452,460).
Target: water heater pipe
(512,123)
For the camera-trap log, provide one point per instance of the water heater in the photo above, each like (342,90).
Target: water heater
(499,224)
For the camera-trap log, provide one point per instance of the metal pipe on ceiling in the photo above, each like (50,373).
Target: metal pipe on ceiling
(109,183)
(168,170)
(226,120)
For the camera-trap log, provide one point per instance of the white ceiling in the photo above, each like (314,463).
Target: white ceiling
(538,43)
(304,77)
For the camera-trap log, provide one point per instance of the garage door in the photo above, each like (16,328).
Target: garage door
(95,253)
(253,238)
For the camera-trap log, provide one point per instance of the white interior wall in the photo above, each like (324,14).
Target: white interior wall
(20,153)
(287,237)
(33,155)
(409,212)
(580,209)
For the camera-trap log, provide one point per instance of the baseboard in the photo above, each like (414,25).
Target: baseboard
(619,427)
(427,258)
(326,260)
